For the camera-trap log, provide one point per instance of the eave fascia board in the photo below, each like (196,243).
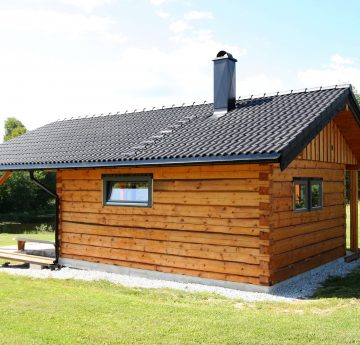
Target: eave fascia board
(238,159)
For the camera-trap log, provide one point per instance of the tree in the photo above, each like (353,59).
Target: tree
(13,128)
(357,95)
(20,198)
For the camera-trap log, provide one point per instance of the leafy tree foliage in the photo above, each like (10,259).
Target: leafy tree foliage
(20,198)
(13,128)
(357,95)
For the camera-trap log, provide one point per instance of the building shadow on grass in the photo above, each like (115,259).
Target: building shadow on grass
(337,287)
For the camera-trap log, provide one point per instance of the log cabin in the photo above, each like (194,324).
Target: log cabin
(238,192)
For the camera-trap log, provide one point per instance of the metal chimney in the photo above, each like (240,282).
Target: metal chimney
(224,83)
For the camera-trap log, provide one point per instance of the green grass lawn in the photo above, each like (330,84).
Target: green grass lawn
(72,312)
(7,239)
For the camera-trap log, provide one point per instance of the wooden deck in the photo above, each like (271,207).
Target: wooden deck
(31,259)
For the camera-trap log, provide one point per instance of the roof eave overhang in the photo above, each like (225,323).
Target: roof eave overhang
(233,159)
(296,146)
(354,106)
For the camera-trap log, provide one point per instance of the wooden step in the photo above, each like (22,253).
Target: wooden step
(31,259)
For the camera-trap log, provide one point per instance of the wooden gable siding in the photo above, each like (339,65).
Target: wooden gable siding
(329,146)
(206,221)
(300,241)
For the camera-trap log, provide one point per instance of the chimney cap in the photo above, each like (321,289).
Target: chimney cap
(222,54)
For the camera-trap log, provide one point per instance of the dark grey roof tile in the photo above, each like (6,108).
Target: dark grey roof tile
(263,125)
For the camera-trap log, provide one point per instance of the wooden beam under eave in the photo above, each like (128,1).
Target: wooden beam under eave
(354,221)
(352,167)
(5,177)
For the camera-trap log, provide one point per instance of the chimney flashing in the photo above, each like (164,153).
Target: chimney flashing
(220,112)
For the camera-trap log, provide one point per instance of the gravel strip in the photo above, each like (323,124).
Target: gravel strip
(299,287)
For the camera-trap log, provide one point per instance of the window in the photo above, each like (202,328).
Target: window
(127,190)
(316,193)
(300,195)
(308,194)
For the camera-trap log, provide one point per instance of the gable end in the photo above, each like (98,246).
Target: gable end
(301,141)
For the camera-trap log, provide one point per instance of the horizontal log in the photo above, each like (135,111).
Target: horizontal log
(288,218)
(232,185)
(164,260)
(291,231)
(289,244)
(241,171)
(194,250)
(174,270)
(305,265)
(250,244)
(220,225)
(288,258)
(168,210)
(326,175)
(179,198)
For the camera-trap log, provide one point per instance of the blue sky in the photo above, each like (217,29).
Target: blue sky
(64,58)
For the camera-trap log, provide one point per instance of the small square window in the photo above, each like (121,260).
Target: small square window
(308,194)
(127,190)
(300,195)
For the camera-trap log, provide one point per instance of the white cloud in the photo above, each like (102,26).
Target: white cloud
(179,26)
(86,5)
(158,2)
(196,15)
(340,60)
(38,86)
(53,22)
(162,14)
(340,70)
(39,89)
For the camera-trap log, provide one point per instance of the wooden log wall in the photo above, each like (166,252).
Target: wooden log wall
(303,240)
(227,222)
(206,221)
(300,241)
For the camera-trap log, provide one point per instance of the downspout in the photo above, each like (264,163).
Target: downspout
(53,194)
(5,177)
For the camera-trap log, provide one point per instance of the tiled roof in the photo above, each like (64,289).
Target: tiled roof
(263,129)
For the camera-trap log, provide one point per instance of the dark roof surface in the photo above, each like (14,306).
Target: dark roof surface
(267,128)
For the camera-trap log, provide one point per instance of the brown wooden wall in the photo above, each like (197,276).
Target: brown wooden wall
(228,222)
(303,240)
(300,241)
(206,221)
(329,146)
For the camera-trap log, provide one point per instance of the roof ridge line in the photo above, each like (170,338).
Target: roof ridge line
(135,111)
(251,96)
(294,91)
